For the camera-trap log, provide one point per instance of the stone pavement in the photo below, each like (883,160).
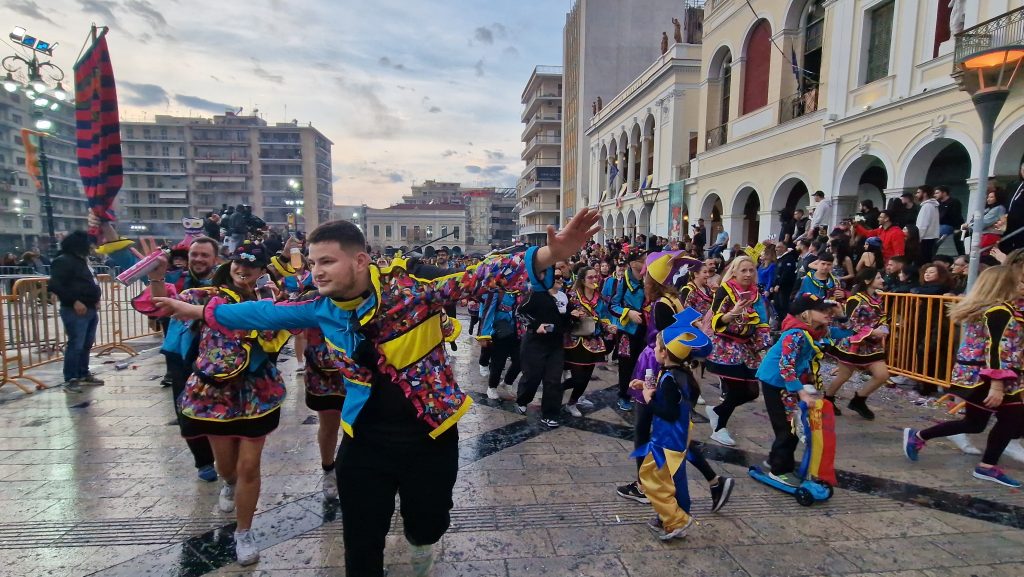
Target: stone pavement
(101,484)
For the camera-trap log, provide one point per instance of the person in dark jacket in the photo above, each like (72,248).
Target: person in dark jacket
(951,216)
(1013,237)
(211,225)
(542,354)
(785,278)
(76,286)
(237,228)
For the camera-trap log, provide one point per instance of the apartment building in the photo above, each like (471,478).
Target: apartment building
(540,184)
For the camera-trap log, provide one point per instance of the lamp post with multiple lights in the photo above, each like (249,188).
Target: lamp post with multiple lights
(988,76)
(38,74)
(297,202)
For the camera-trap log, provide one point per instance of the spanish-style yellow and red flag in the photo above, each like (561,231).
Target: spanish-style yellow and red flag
(819,420)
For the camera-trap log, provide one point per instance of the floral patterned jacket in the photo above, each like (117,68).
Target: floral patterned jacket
(400,319)
(992,349)
(864,314)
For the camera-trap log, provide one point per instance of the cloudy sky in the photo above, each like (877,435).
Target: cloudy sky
(406,90)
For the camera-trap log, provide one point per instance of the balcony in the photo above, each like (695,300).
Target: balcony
(533,228)
(538,100)
(1004,30)
(539,121)
(556,162)
(796,105)
(538,141)
(716,137)
(539,208)
(151,170)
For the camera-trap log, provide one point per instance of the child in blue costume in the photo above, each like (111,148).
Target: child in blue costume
(663,472)
(820,281)
(790,367)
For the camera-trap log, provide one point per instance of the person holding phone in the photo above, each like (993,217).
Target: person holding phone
(740,333)
(542,354)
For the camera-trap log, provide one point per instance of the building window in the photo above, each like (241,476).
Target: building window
(387,231)
(456,233)
(444,231)
(376,231)
(879,42)
(757,67)
(405,231)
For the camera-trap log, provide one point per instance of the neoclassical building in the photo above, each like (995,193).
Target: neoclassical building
(852,97)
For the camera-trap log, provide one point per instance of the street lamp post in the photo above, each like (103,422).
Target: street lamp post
(988,77)
(296,203)
(47,203)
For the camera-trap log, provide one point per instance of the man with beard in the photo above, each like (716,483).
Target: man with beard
(202,261)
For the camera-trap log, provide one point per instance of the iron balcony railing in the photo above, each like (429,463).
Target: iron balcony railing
(797,105)
(716,137)
(1004,30)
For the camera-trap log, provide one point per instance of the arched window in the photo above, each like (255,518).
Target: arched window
(757,67)
(813,28)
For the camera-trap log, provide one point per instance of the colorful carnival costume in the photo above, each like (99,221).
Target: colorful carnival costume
(402,401)
(823,289)
(584,343)
(991,350)
(629,296)
(864,314)
(736,353)
(234,389)
(663,471)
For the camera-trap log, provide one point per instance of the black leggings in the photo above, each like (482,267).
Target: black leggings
(579,378)
(1008,427)
(473,320)
(502,350)
(737,392)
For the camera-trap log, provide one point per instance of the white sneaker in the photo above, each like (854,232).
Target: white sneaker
(422,559)
(1015,451)
(505,394)
(330,480)
(492,394)
(484,371)
(573,410)
(226,500)
(246,550)
(584,403)
(964,444)
(723,437)
(712,417)
(700,400)
(521,409)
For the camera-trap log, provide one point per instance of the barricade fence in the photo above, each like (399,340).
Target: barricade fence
(32,332)
(923,342)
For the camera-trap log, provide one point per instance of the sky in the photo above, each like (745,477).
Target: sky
(407,90)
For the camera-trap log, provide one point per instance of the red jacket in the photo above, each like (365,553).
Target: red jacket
(893,239)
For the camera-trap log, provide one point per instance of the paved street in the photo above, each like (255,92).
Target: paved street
(101,484)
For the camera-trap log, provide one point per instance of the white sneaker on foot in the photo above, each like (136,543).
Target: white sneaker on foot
(246,550)
(422,559)
(585,403)
(1015,451)
(484,371)
(226,500)
(492,394)
(723,437)
(573,410)
(964,444)
(712,417)
(330,485)
(700,400)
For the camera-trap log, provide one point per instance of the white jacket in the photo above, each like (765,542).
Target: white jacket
(928,219)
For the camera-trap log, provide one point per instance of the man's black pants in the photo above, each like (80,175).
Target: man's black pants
(371,471)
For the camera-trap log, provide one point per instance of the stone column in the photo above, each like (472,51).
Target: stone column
(645,168)
(767,225)
(630,166)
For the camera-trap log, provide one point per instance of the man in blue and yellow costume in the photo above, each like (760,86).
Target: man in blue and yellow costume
(402,402)
(663,472)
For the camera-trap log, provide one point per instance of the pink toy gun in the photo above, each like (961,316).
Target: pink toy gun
(141,268)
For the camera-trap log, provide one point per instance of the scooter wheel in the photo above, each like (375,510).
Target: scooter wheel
(804,497)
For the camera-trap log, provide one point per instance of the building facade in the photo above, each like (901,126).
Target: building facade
(176,167)
(855,98)
(23,223)
(408,225)
(606,45)
(539,186)
(869,111)
(641,145)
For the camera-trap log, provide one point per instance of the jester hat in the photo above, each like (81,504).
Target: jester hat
(665,266)
(684,339)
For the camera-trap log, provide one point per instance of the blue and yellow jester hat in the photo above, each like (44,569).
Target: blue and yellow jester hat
(684,339)
(663,266)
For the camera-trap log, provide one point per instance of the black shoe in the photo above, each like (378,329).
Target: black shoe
(632,492)
(720,492)
(835,407)
(859,405)
(166,382)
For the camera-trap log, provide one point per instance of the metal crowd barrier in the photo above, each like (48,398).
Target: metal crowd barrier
(923,342)
(33,334)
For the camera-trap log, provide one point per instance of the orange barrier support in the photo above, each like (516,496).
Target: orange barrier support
(9,359)
(109,333)
(923,342)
